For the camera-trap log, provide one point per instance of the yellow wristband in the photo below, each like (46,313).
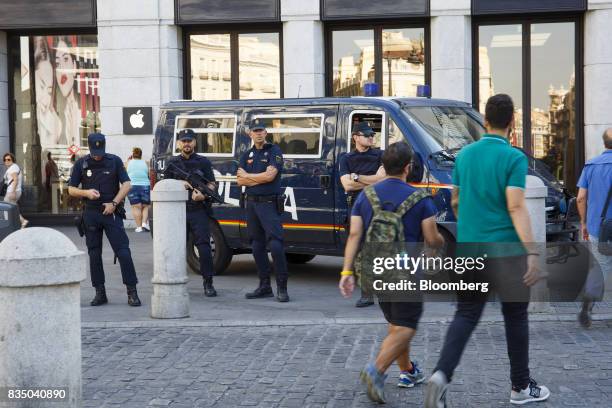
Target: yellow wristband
(346,273)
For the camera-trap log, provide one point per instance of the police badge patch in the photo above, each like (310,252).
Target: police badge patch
(251,154)
(279,159)
(89,173)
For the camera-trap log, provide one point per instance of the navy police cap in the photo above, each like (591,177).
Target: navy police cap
(186,134)
(97,144)
(257,124)
(363,127)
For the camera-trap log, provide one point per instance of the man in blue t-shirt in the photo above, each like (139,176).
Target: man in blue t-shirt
(419,225)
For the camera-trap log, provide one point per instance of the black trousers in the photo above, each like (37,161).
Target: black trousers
(197,224)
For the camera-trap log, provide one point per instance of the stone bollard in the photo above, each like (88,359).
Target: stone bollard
(170,299)
(40,327)
(535,196)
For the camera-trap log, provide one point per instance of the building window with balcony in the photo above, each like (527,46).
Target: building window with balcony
(248,61)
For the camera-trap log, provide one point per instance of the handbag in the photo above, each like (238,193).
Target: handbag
(4,188)
(605,229)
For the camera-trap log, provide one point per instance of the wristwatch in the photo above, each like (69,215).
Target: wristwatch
(114,203)
(355,177)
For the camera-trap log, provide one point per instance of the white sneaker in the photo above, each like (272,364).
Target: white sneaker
(435,394)
(532,393)
(139,229)
(145,226)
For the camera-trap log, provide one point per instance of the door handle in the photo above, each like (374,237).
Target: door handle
(325,181)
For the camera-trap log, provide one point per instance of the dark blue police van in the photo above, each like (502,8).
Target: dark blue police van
(312,134)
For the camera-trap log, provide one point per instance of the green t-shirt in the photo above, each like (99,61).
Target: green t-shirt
(483,171)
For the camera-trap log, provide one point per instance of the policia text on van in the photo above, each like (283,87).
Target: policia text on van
(312,135)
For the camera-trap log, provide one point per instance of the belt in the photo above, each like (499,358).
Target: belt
(262,198)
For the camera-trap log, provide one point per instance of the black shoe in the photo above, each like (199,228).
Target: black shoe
(584,317)
(209,289)
(364,301)
(100,297)
(281,292)
(133,299)
(264,290)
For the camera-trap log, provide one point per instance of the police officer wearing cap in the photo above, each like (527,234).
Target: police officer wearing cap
(199,209)
(359,169)
(260,172)
(104,185)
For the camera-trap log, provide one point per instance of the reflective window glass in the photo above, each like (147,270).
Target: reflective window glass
(214,135)
(259,64)
(353,61)
(210,66)
(295,134)
(403,53)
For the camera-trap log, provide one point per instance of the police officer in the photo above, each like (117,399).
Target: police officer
(359,169)
(199,210)
(100,175)
(260,171)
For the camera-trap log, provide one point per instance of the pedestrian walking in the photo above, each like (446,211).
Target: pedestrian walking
(140,192)
(104,183)
(593,201)
(199,208)
(260,172)
(489,201)
(13,180)
(359,169)
(415,222)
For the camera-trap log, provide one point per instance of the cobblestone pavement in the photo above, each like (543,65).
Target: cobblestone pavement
(318,366)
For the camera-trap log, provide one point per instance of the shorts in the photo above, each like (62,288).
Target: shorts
(140,195)
(405,314)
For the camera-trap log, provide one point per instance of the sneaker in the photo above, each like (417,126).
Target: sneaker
(408,379)
(532,393)
(145,226)
(375,383)
(138,229)
(437,386)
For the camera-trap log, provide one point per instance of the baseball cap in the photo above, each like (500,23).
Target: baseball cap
(257,124)
(97,144)
(186,134)
(364,128)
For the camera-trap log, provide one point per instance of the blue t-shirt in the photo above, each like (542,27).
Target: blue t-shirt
(596,177)
(365,163)
(257,161)
(391,193)
(138,171)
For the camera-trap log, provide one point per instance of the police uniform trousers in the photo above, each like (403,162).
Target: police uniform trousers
(112,225)
(198,224)
(264,227)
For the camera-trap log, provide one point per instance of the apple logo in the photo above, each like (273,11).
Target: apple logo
(136,120)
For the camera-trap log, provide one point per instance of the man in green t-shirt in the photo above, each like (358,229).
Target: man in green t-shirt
(489,201)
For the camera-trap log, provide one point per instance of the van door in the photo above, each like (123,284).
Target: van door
(305,135)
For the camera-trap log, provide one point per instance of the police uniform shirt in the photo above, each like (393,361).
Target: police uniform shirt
(364,163)
(102,175)
(194,162)
(257,161)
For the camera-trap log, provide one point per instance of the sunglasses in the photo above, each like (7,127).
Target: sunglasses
(8,160)
(364,135)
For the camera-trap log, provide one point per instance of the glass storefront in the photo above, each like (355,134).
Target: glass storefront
(397,66)
(213,58)
(543,88)
(55,88)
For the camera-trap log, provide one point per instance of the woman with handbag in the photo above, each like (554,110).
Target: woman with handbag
(13,180)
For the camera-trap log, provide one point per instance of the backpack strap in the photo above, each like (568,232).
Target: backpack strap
(372,197)
(411,201)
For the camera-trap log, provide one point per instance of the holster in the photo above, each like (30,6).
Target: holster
(120,211)
(280,204)
(242,200)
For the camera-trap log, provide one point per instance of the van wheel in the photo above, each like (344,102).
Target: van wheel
(299,258)
(222,254)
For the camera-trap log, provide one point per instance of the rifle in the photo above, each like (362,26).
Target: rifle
(198,181)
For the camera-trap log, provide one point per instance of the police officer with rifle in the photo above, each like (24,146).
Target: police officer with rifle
(104,185)
(196,171)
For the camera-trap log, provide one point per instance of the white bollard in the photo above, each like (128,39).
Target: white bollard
(170,299)
(535,197)
(40,327)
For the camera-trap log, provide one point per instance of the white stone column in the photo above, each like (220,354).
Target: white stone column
(4,96)
(535,196)
(451,49)
(597,75)
(40,328)
(303,49)
(140,57)
(170,299)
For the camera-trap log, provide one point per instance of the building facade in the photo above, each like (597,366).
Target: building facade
(71,67)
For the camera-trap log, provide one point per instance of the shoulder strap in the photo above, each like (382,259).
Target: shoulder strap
(411,201)
(605,209)
(372,198)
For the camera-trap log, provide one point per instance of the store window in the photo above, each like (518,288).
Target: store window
(55,84)
(388,61)
(235,65)
(535,63)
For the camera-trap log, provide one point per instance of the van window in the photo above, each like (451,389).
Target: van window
(215,134)
(395,133)
(297,135)
(375,120)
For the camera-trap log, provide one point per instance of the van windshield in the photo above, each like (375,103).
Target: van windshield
(449,127)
